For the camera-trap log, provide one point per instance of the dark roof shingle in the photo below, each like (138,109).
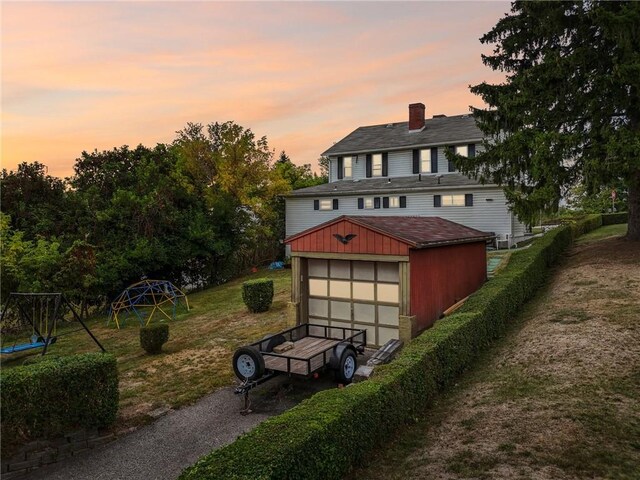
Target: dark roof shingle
(393,136)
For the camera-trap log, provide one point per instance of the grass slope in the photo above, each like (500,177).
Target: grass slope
(197,357)
(557,398)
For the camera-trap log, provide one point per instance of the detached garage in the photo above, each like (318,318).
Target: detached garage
(393,276)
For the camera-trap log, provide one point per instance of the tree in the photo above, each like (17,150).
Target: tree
(568,112)
(323,163)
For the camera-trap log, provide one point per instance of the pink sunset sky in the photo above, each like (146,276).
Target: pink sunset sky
(84,76)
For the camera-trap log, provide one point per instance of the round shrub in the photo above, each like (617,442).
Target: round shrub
(152,337)
(258,294)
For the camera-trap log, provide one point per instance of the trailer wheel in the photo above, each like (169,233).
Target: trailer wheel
(248,363)
(347,367)
(274,339)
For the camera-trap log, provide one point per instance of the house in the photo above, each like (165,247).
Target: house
(400,169)
(390,275)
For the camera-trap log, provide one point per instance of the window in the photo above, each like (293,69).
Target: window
(462,150)
(326,205)
(453,200)
(368,202)
(394,202)
(376,159)
(428,160)
(347,167)
(464,200)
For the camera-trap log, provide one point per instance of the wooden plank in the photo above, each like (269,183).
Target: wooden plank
(306,348)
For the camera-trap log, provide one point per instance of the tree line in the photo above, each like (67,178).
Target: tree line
(197,211)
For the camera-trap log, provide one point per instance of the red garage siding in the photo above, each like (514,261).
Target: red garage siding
(366,241)
(442,276)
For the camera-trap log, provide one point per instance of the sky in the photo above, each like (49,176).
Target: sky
(97,75)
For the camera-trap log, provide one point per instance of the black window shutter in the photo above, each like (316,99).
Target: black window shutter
(385,202)
(434,160)
(369,167)
(416,161)
(437,201)
(316,204)
(335,204)
(451,167)
(403,202)
(376,202)
(360,203)
(340,168)
(385,164)
(471,149)
(468,200)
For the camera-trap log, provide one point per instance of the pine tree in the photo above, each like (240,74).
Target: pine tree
(568,112)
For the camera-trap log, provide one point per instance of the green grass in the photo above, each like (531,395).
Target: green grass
(197,358)
(603,232)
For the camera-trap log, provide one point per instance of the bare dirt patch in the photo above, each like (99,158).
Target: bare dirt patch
(558,398)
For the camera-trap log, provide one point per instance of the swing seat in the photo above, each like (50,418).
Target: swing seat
(21,347)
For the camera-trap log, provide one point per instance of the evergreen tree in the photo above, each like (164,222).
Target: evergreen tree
(568,112)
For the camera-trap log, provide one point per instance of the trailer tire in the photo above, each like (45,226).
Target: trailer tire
(274,339)
(248,363)
(347,367)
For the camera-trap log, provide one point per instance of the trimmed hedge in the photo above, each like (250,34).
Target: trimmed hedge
(615,218)
(324,436)
(257,294)
(56,396)
(152,337)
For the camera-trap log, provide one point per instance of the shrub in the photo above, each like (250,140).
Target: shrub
(615,218)
(57,396)
(152,337)
(258,294)
(324,436)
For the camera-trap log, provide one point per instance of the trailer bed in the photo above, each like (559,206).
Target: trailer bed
(310,352)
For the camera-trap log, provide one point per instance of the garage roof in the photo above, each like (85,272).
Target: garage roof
(417,232)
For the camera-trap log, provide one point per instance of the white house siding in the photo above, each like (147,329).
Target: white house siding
(484,215)
(400,164)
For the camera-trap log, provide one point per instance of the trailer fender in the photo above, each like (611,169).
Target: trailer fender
(270,341)
(338,350)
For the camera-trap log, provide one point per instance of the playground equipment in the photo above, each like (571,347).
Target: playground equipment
(155,294)
(42,311)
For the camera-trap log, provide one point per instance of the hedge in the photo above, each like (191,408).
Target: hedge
(152,337)
(57,396)
(258,294)
(615,218)
(324,436)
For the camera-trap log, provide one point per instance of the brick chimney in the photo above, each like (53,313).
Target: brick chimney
(416,116)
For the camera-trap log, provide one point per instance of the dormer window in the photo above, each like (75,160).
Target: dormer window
(376,164)
(462,150)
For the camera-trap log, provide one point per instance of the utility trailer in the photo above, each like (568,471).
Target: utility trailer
(315,348)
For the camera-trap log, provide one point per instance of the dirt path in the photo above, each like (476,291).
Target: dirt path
(558,398)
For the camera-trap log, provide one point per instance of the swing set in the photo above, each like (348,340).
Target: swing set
(41,311)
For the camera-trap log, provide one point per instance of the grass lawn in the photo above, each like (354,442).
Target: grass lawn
(557,398)
(197,358)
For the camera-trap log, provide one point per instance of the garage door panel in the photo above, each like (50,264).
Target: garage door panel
(339,289)
(386,334)
(340,269)
(318,268)
(363,291)
(364,312)
(388,315)
(364,271)
(341,310)
(388,293)
(318,288)
(371,332)
(318,307)
(388,272)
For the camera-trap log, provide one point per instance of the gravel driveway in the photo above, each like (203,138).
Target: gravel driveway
(164,448)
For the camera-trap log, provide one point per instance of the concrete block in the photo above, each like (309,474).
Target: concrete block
(34,462)
(65,449)
(16,474)
(96,442)
(363,373)
(79,445)
(77,436)
(81,451)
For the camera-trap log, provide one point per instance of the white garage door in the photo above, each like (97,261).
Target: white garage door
(355,294)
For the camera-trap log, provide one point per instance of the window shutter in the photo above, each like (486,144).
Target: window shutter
(385,164)
(468,200)
(471,149)
(451,167)
(403,202)
(340,168)
(416,161)
(376,202)
(437,201)
(369,166)
(316,204)
(385,202)
(434,160)
(360,203)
